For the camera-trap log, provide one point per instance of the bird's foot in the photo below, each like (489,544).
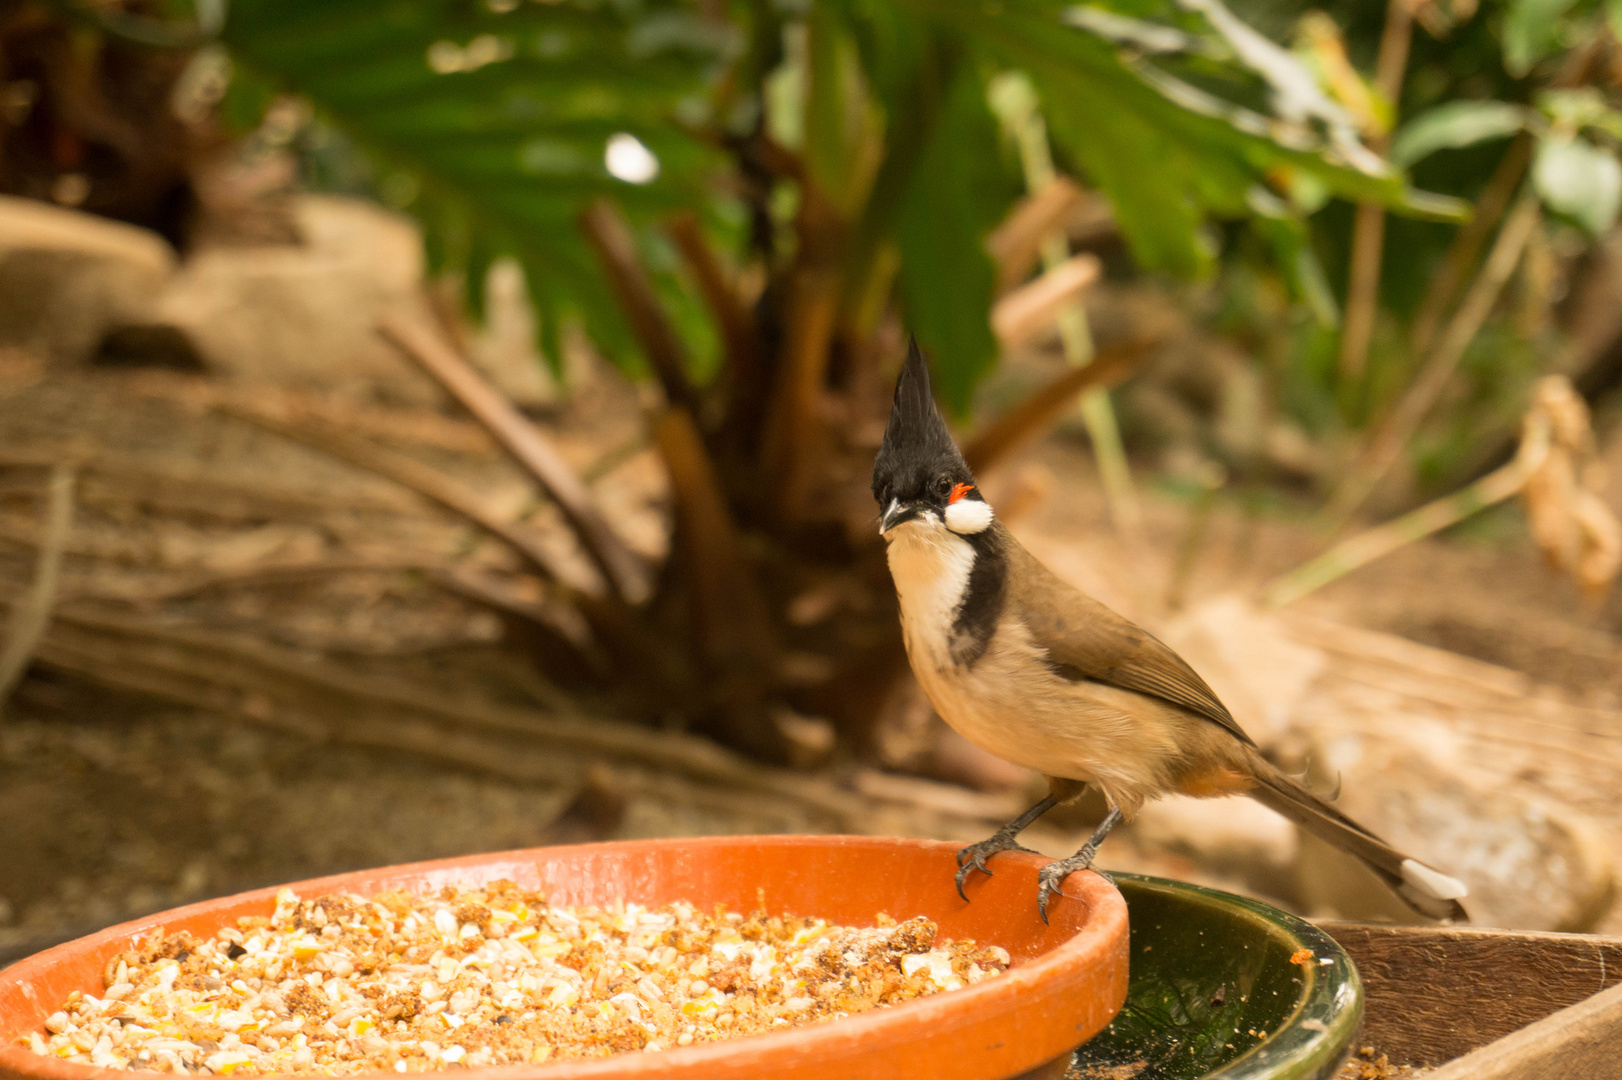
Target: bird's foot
(974,856)
(1051,877)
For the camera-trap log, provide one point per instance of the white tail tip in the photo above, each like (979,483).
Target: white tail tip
(1432,883)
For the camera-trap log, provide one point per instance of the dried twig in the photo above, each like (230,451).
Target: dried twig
(1035,306)
(1461,253)
(1016,243)
(616,247)
(621,569)
(206,669)
(612,621)
(1386,445)
(32,615)
(1031,418)
(1364,548)
(1551,470)
(426,481)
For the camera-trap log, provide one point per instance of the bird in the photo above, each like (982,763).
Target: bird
(1038,673)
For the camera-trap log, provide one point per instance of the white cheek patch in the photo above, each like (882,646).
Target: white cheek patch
(968,516)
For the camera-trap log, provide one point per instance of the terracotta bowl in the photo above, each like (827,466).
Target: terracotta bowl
(1067,981)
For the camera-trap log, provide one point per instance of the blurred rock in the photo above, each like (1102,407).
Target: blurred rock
(596,812)
(306,315)
(809,740)
(148,346)
(1235,838)
(505,346)
(67,278)
(1529,866)
(1248,657)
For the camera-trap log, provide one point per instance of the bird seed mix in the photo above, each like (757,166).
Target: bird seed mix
(342,984)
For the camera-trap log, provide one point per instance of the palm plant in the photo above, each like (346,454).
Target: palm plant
(642,159)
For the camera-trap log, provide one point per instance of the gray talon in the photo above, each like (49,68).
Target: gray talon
(974,857)
(1052,876)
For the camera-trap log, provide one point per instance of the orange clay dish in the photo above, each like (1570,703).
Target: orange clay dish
(805,984)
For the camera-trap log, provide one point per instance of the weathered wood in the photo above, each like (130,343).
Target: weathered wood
(1435,993)
(1582,1042)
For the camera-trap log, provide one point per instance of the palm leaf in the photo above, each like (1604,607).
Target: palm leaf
(501,118)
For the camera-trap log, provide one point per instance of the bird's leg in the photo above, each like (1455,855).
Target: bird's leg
(1053,874)
(974,856)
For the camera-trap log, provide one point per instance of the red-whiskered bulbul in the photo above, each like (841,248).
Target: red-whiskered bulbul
(1036,672)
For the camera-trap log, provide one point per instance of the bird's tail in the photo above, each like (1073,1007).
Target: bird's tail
(1426,890)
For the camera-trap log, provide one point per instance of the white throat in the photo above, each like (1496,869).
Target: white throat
(931,566)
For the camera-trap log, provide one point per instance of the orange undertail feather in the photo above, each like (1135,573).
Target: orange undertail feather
(1216,781)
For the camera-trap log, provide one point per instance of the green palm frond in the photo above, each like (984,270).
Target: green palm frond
(501,118)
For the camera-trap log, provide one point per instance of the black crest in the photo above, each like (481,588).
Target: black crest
(918,447)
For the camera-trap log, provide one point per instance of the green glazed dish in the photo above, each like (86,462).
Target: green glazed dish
(1224,987)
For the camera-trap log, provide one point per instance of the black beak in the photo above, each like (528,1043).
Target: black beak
(897,513)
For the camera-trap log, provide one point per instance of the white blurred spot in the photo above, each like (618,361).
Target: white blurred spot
(627,159)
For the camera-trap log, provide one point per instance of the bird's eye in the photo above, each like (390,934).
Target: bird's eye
(943,486)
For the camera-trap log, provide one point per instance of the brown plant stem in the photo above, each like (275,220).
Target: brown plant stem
(1393,434)
(729,614)
(1033,417)
(1368,228)
(621,570)
(1362,289)
(793,421)
(610,235)
(739,335)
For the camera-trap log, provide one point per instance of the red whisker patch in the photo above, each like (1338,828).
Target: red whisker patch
(959,491)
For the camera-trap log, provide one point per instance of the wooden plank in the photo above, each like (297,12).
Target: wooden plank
(1577,1043)
(1435,993)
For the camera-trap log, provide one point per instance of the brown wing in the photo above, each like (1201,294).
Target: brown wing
(1081,634)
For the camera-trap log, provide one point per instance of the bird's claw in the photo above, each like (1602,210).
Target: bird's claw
(1051,877)
(974,857)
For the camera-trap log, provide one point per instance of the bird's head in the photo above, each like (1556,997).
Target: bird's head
(919,476)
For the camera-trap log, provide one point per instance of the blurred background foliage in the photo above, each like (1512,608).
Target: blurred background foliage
(1380,219)
(489,121)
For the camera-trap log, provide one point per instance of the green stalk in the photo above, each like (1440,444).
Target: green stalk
(1377,542)
(1016,106)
